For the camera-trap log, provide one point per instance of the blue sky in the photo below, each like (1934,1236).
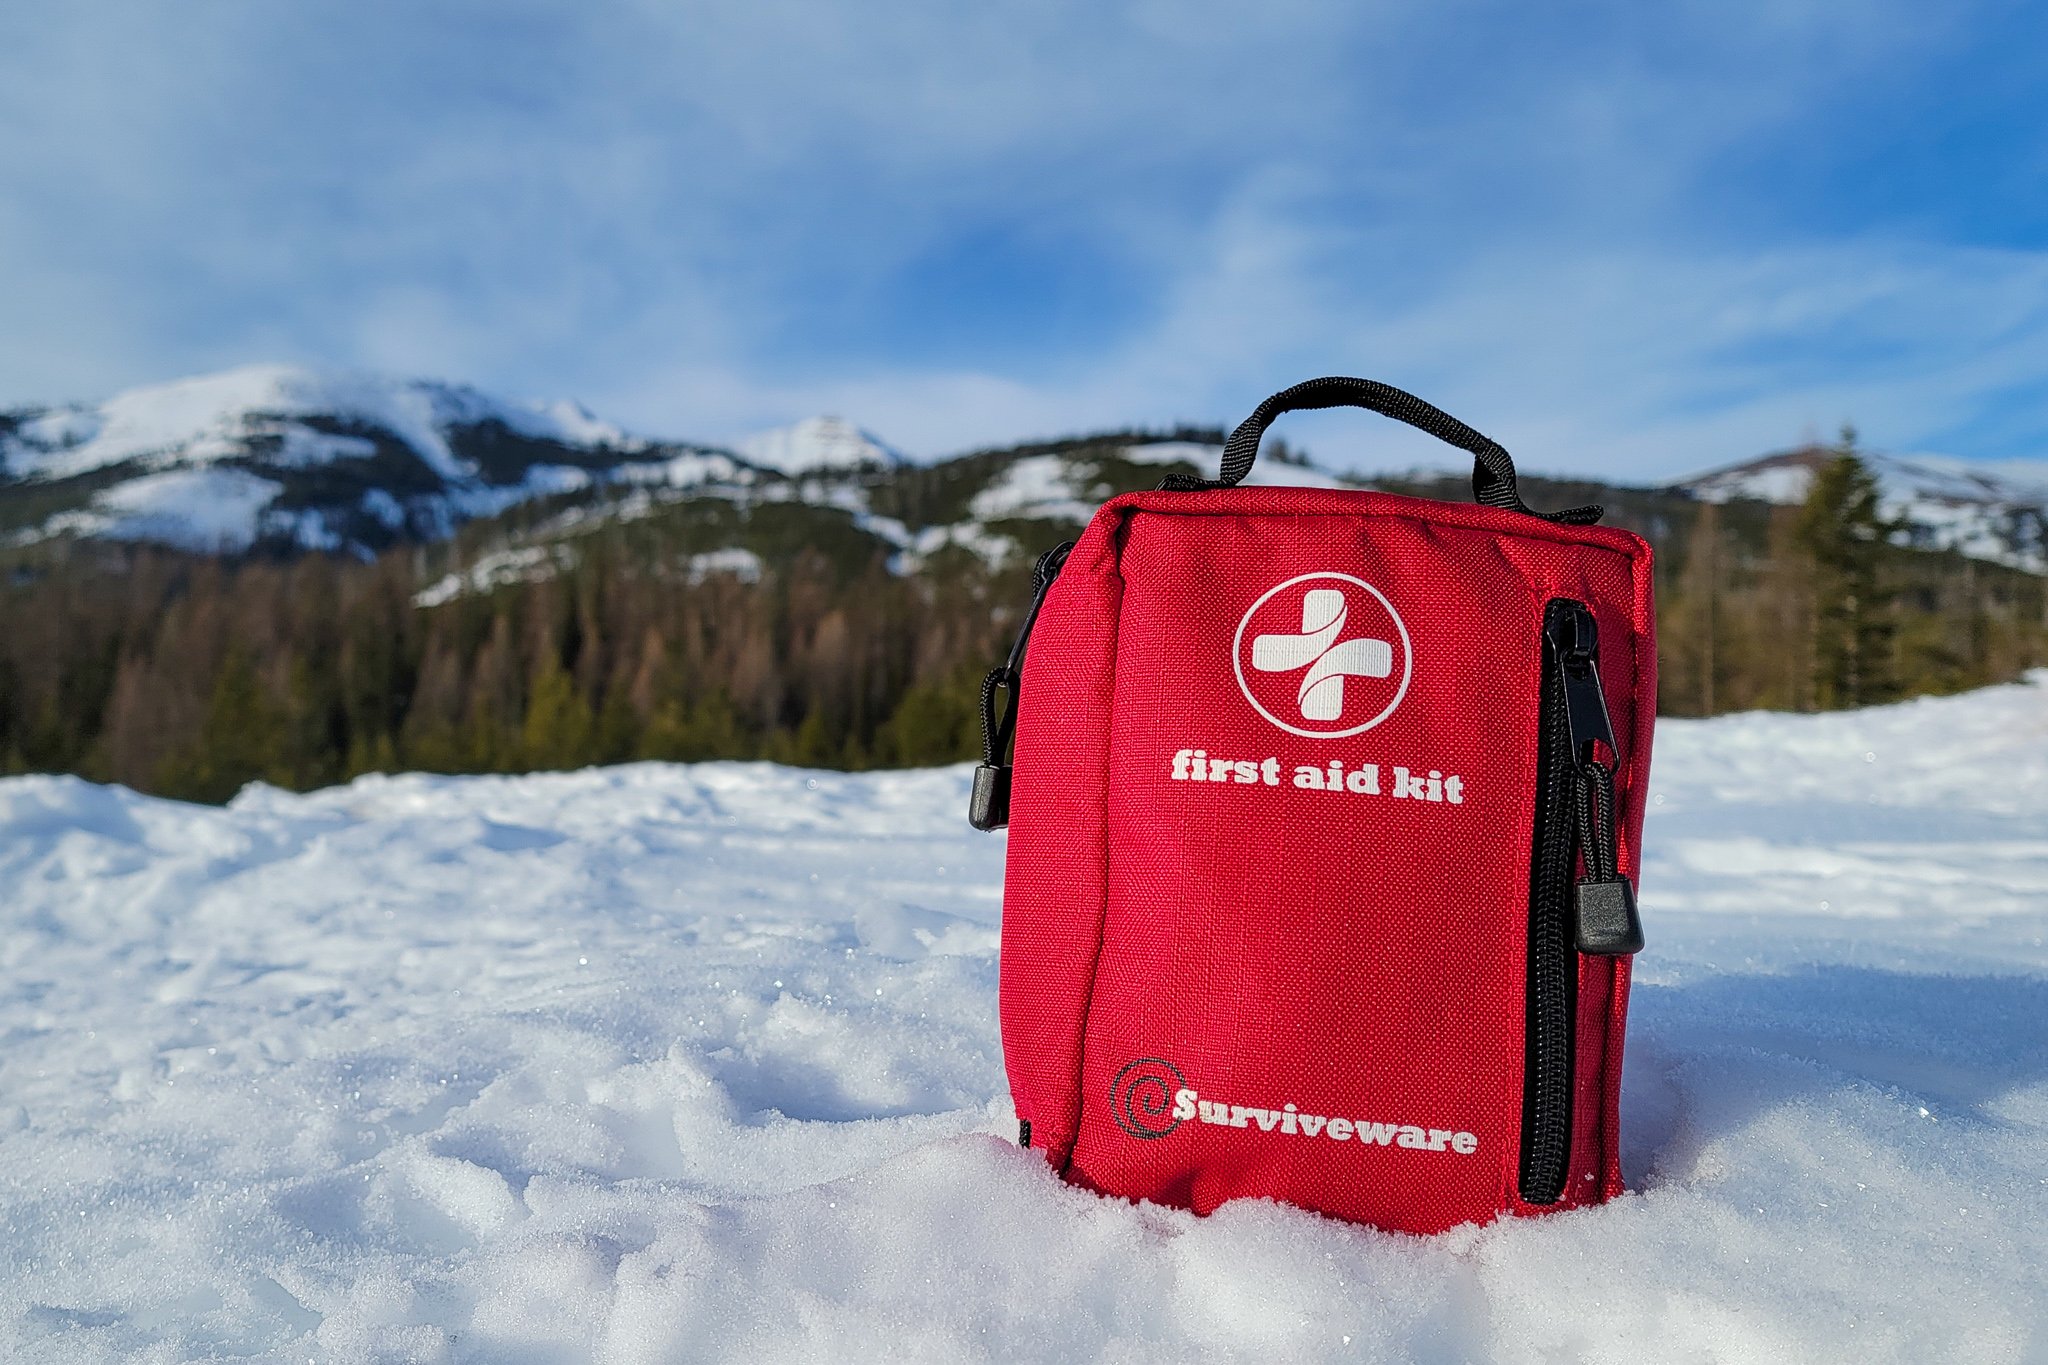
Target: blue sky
(1625,239)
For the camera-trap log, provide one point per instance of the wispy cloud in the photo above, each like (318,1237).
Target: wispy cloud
(1625,239)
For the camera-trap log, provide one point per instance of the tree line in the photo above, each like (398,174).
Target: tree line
(1814,607)
(190,676)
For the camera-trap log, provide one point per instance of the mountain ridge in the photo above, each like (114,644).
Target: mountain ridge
(285,460)
(1990,512)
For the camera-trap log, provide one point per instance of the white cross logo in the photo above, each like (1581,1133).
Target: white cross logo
(1328,660)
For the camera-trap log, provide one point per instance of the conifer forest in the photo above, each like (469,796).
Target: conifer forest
(190,675)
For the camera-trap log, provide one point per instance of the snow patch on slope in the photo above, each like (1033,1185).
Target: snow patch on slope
(662,1062)
(1208,460)
(207,510)
(817,443)
(1038,487)
(1995,512)
(734,560)
(497,569)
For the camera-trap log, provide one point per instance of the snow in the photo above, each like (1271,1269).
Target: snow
(1780,483)
(740,563)
(301,447)
(1904,479)
(381,505)
(496,569)
(817,443)
(1984,510)
(307,528)
(202,509)
(1208,460)
(1036,487)
(689,470)
(700,1062)
(1059,489)
(208,418)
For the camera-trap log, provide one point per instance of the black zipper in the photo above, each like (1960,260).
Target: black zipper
(1578,900)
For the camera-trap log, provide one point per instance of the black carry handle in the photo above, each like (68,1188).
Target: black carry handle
(1493,469)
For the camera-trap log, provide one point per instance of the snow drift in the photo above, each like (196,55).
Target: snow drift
(700,1063)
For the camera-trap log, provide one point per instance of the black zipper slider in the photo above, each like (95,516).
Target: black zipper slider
(988,806)
(1574,638)
(1609,923)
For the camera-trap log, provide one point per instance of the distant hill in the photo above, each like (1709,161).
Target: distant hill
(818,443)
(278,461)
(1990,512)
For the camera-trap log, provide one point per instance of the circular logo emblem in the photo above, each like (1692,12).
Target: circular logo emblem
(1324,655)
(1141,1097)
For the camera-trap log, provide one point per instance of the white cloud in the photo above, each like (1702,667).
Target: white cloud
(702,219)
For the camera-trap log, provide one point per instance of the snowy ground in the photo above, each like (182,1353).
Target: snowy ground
(662,1063)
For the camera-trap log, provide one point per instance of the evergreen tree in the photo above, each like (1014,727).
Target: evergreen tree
(559,731)
(937,722)
(244,738)
(1843,531)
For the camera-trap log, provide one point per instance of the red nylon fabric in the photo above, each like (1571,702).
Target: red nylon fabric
(1258,943)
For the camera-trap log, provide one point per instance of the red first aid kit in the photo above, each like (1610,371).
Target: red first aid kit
(1323,827)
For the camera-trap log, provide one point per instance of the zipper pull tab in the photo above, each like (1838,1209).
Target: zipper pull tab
(988,806)
(1574,638)
(1609,924)
(1602,898)
(1604,901)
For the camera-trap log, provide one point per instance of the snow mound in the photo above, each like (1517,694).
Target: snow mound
(817,443)
(677,1063)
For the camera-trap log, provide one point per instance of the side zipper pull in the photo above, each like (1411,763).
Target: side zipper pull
(988,806)
(1608,922)
(1604,901)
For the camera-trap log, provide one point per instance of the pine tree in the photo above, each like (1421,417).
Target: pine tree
(244,738)
(1843,529)
(559,731)
(936,722)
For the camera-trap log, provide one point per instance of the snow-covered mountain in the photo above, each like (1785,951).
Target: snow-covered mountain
(219,416)
(818,443)
(1996,512)
(279,458)
(273,454)
(276,458)
(282,459)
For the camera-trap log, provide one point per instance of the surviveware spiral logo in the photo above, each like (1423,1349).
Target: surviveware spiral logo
(1323,655)
(1141,1097)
